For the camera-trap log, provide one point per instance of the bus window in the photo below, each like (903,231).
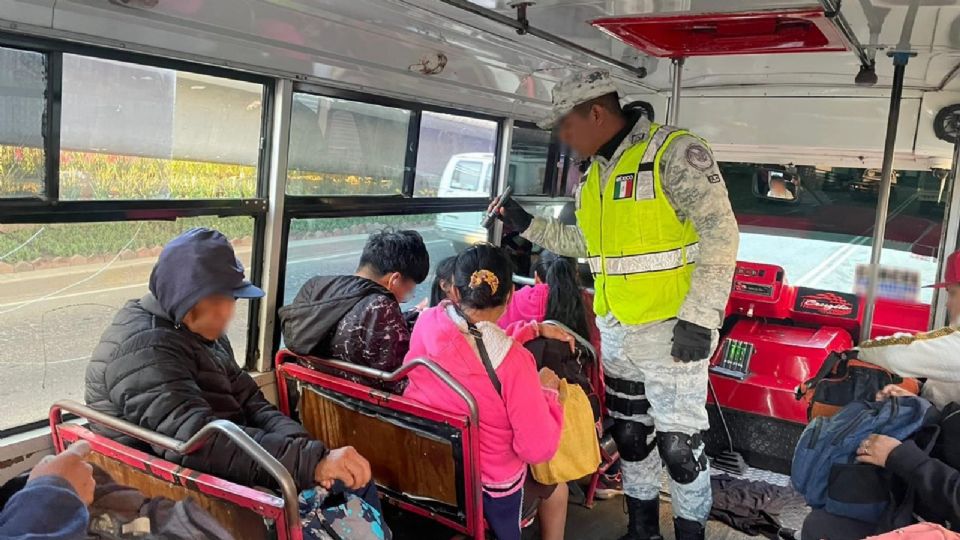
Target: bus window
(528,158)
(131,131)
(61,285)
(821,238)
(340,147)
(332,246)
(445,141)
(22,104)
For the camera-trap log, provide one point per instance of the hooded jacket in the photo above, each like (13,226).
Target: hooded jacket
(526,304)
(347,318)
(518,427)
(159,375)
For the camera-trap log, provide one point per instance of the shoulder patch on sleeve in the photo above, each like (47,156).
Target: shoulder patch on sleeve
(699,157)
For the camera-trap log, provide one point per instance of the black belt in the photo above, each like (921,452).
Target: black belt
(627,407)
(623,386)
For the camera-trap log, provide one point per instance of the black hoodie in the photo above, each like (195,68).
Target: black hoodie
(347,318)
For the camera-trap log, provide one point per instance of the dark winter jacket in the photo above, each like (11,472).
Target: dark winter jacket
(934,477)
(48,508)
(162,377)
(347,318)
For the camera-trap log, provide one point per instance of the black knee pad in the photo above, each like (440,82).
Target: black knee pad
(633,439)
(677,452)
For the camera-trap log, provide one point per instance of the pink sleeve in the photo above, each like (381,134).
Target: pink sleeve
(523,331)
(535,414)
(527,304)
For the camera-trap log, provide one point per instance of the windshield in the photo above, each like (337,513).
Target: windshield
(825,234)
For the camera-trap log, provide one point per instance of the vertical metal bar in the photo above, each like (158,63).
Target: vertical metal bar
(273,238)
(255,272)
(900,60)
(413,145)
(51,126)
(551,178)
(503,162)
(950,233)
(673,109)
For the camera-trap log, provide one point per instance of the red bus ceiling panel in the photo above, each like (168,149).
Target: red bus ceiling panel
(715,34)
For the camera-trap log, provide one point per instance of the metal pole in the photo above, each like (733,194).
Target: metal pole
(673,110)
(900,60)
(950,233)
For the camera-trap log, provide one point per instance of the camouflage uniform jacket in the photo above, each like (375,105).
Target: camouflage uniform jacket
(695,189)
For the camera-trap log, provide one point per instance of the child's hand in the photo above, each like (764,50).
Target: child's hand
(550,331)
(549,379)
(892,390)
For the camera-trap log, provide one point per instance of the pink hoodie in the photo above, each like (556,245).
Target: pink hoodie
(526,304)
(523,426)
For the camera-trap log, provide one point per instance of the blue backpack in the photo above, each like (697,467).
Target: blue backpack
(825,470)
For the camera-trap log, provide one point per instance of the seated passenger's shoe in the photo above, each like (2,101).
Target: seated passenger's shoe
(684,529)
(609,486)
(644,519)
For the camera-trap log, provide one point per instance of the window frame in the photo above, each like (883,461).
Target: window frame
(50,209)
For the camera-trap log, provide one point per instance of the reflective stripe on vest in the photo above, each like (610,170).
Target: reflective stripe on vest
(640,252)
(648,262)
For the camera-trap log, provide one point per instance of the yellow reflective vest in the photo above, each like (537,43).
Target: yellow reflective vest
(641,254)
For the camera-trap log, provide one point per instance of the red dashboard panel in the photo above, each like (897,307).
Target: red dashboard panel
(713,34)
(783,357)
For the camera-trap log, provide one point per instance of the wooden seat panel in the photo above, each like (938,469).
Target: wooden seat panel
(402,459)
(242,523)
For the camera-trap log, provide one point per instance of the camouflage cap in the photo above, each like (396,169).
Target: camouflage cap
(576,89)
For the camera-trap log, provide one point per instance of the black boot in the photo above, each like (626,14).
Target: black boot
(644,519)
(688,530)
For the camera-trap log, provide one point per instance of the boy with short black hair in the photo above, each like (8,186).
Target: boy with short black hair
(357,318)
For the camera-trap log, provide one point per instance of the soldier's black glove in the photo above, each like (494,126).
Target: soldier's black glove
(691,342)
(514,216)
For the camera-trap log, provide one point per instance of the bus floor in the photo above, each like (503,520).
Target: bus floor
(607,520)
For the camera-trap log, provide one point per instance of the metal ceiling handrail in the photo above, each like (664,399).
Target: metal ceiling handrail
(218,427)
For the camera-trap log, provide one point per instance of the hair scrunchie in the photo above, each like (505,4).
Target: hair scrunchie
(485,276)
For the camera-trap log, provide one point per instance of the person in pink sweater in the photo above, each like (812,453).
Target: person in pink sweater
(521,421)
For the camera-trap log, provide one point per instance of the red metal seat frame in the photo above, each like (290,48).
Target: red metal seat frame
(284,511)
(468,425)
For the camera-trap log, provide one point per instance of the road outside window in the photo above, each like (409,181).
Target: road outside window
(60,286)
(332,246)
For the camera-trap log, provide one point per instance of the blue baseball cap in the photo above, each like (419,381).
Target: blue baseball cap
(197,264)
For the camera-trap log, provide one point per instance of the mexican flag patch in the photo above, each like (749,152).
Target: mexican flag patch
(623,186)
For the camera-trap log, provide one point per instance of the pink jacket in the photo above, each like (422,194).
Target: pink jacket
(523,426)
(527,304)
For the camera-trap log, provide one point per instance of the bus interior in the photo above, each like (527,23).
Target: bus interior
(297,128)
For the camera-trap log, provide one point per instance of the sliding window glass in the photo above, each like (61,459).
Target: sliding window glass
(61,285)
(456,156)
(340,147)
(22,107)
(332,246)
(527,167)
(131,131)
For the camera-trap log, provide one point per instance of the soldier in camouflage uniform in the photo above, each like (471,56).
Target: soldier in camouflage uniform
(656,226)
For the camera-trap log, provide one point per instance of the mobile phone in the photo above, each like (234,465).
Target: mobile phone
(491,216)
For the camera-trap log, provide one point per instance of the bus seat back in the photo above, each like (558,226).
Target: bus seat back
(239,509)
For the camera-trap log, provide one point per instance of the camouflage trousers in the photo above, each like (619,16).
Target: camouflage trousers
(677,393)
